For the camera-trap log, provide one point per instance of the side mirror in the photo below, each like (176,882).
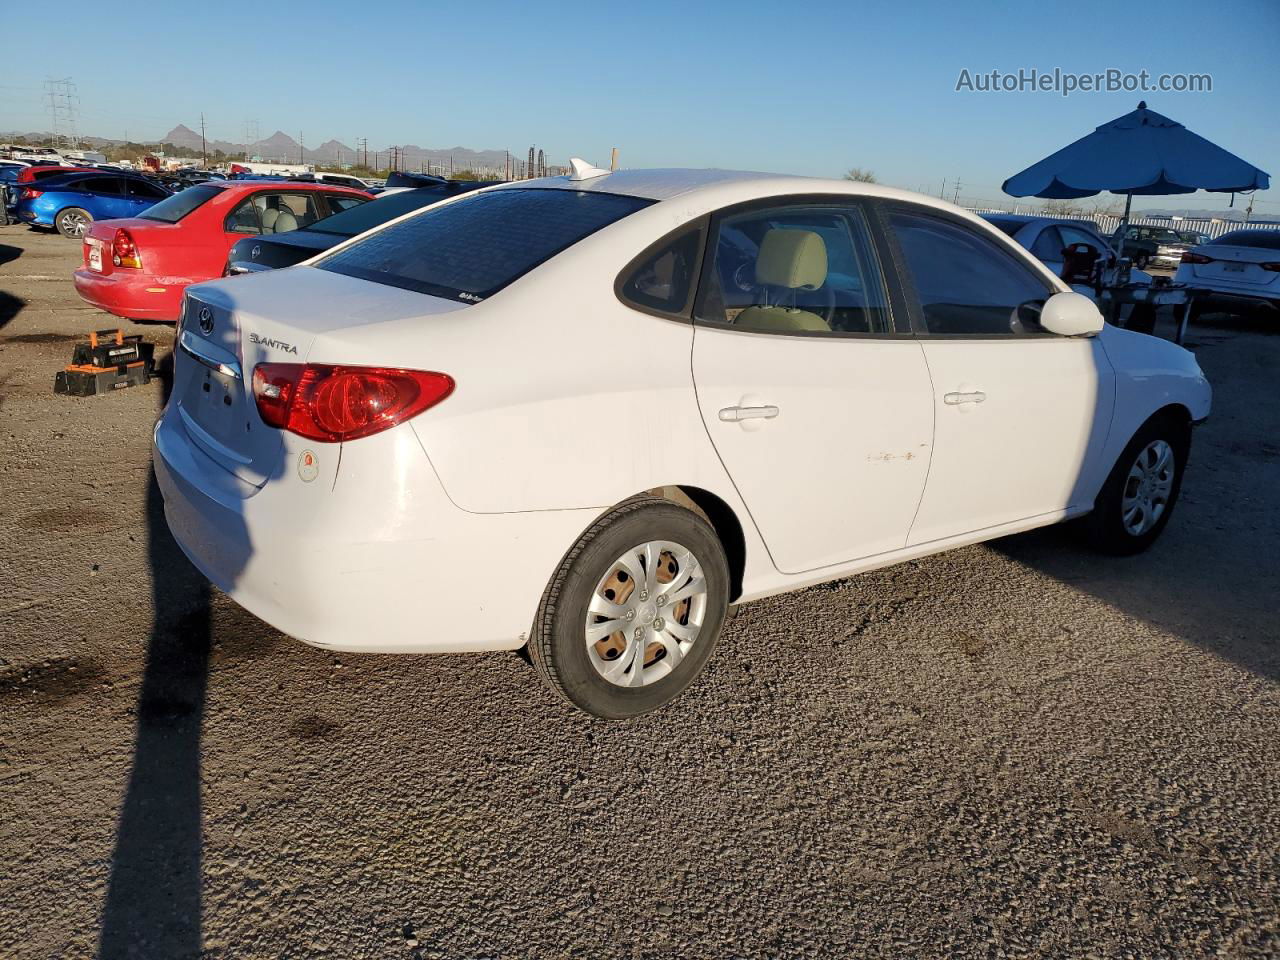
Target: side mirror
(1071,315)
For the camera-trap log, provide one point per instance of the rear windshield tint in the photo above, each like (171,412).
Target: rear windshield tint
(470,249)
(1263,239)
(174,208)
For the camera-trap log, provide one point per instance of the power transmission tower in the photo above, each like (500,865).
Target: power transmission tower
(300,160)
(956,197)
(64,106)
(204,148)
(251,136)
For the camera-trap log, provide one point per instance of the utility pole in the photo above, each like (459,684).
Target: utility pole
(956,197)
(613,159)
(204,149)
(300,146)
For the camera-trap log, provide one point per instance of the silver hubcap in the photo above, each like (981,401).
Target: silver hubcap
(646,613)
(74,224)
(1147,488)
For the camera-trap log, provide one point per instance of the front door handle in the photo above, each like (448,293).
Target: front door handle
(737,414)
(972,396)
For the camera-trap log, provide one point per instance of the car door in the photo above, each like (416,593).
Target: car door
(140,195)
(817,403)
(104,197)
(1021,415)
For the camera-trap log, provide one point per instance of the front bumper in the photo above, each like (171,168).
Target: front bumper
(376,559)
(130,295)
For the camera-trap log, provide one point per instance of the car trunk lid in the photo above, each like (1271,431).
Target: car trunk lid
(1236,264)
(230,326)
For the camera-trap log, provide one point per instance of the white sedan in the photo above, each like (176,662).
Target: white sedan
(1240,268)
(589,413)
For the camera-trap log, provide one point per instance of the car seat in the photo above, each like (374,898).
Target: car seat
(269,217)
(285,222)
(788,261)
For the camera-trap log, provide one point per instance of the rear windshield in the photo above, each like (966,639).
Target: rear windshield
(1010,227)
(172,209)
(366,216)
(1263,239)
(470,249)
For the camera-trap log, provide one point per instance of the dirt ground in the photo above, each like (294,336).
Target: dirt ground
(1015,750)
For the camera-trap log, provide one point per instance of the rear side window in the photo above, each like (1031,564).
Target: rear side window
(174,208)
(663,279)
(965,284)
(470,249)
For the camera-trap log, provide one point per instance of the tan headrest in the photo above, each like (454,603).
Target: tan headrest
(795,259)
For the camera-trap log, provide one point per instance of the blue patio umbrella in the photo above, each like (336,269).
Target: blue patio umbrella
(1142,153)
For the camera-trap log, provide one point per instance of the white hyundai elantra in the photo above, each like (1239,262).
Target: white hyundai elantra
(589,413)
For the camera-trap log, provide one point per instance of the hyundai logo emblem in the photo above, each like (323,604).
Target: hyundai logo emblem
(257,249)
(206,321)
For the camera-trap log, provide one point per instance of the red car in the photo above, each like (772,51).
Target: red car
(38,172)
(137,268)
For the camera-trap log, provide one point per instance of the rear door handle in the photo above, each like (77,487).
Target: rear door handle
(973,396)
(736,414)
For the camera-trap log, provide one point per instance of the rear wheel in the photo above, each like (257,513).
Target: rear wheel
(73,222)
(1140,493)
(633,613)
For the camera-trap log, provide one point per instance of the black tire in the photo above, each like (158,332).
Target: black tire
(73,222)
(1105,527)
(558,647)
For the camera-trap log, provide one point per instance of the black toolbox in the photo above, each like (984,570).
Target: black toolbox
(109,361)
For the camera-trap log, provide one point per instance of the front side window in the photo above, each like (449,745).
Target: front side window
(470,249)
(141,190)
(794,269)
(965,284)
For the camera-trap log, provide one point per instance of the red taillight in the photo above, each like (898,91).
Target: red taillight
(332,404)
(124,252)
(1272,267)
(1190,257)
(29,194)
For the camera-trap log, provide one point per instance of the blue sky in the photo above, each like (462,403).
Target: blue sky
(809,88)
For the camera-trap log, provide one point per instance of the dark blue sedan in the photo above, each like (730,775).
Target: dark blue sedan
(72,202)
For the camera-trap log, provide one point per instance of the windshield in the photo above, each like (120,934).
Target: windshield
(174,208)
(470,249)
(366,216)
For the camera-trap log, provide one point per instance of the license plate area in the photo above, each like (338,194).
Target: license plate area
(1233,267)
(95,256)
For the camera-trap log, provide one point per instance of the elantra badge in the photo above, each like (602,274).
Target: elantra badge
(206,321)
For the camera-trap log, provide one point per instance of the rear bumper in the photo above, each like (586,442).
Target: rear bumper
(130,295)
(376,559)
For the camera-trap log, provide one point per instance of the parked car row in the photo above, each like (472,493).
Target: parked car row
(139,266)
(588,413)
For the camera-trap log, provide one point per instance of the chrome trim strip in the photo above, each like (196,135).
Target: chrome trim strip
(199,351)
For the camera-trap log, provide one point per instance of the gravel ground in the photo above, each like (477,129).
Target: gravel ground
(1020,749)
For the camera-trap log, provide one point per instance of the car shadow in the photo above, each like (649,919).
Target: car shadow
(9,253)
(10,307)
(1208,578)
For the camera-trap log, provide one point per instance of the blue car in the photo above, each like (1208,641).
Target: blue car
(70,203)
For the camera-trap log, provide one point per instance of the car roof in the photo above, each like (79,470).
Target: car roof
(723,187)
